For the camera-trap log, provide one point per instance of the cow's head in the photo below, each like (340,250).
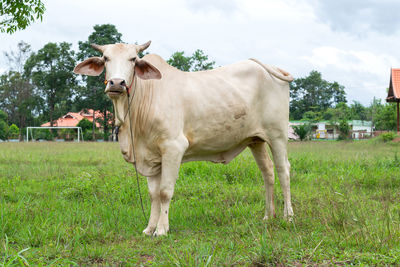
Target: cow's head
(122,64)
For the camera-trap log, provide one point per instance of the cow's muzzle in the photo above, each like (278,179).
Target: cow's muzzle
(116,87)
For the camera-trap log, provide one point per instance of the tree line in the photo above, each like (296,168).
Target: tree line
(315,99)
(40,86)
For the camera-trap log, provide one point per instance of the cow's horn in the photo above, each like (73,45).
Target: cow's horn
(143,46)
(99,48)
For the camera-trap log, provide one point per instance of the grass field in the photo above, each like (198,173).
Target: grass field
(77,204)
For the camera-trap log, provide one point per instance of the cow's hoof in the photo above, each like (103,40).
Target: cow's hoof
(289,218)
(268,217)
(161,231)
(288,214)
(148,231)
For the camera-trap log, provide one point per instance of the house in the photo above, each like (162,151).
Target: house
(73,118)
(330,130)
(360,129)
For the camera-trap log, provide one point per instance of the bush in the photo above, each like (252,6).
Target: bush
(3,130)
(387,137)
(44,134)
(88,135)
(302,131)
(85,124)
(13,132)
(68,134)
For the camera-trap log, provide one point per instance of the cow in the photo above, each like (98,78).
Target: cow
(168,117)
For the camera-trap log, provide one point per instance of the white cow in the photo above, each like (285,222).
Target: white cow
(190,116)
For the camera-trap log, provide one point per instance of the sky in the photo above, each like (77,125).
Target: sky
(353,42)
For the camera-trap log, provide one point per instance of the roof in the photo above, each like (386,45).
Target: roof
(350,122)
(360,123)
(394,86)
(73,118)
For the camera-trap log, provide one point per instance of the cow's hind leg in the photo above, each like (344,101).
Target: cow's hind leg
(279,151)
(154,190)
(266,167)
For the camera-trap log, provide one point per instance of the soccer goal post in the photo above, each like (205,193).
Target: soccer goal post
(29,130)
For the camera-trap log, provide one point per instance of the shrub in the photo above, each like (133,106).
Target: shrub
(3,130)
(44,134)
(85,124)
(13,131)
(302,130)
(389,136)
(68,134)
(87,135)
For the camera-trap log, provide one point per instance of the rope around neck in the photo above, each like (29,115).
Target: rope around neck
(131,132)
(133,147)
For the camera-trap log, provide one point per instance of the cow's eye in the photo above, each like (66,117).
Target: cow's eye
(106,59)
(133,59)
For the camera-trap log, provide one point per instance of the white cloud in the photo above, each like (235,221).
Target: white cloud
(351,60)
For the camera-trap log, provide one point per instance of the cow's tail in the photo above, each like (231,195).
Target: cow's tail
(277,72)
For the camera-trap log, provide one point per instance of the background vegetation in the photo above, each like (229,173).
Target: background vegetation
(77,204)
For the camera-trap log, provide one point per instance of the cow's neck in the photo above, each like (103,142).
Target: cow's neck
(120,109)
(138,109)
(138,120)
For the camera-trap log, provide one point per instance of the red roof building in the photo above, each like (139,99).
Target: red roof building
(73,118)
(394,92)
(394,86)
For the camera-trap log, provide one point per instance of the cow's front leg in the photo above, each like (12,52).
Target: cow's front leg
(154,190)
(172,153)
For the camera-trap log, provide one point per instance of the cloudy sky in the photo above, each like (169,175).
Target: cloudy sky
(353,42)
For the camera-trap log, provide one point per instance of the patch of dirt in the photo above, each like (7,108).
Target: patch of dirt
(396,140)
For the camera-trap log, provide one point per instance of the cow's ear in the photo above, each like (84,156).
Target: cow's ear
(144,70)
(93,66)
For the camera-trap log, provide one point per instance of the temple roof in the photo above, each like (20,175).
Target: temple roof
(394,86)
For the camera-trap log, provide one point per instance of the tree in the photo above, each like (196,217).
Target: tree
(313,93)
(16,59)
(312,116)
(302,131)
(344,129)
(91,95)
(179,61)
(338,116)
(13,131)
(17,97)
(51,71)
(385,117)
(197,62)
(3,126)
(17,15)
(358,111)
(85,124)
(200,61)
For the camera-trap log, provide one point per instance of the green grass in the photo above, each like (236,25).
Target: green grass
(77,204)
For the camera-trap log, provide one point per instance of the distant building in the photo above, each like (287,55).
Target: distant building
(73,118)
(360,129)
(328,130)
